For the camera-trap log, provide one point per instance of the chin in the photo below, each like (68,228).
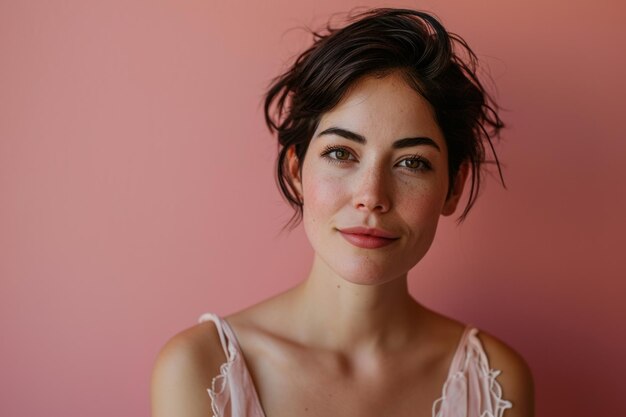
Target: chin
(367,272)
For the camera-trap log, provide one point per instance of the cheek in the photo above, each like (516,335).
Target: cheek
(322,201)
(422,204)
(322,195)
(421,209)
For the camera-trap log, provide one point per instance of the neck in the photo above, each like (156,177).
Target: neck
(343,316)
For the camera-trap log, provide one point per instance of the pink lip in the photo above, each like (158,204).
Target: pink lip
(367,238)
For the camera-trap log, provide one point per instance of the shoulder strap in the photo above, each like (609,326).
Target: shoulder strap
(224,332)
(458,361)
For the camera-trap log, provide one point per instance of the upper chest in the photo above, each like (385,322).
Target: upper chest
(291,381)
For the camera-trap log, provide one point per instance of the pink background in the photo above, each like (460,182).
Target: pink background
(137,191)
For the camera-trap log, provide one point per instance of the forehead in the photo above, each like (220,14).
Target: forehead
(383,108)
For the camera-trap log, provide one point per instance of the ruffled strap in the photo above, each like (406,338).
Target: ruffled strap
(232,392)
(471,389)
(217,392)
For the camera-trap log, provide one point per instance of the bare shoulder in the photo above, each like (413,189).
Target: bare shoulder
(183,370)
(515,378)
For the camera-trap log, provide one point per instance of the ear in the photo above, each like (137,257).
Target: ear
(293,166)
(457,189)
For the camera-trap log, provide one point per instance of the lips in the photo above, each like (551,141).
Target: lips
(368,238)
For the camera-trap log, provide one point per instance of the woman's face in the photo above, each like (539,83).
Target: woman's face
(377,160)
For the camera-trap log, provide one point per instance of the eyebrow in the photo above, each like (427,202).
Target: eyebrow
(398,144)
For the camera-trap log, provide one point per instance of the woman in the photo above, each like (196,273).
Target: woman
(380,124)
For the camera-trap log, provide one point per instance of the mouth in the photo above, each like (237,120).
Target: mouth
(366,240)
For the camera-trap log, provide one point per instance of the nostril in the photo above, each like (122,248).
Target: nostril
(373,207)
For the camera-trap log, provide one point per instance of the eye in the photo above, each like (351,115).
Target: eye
(337,154)
(416,163)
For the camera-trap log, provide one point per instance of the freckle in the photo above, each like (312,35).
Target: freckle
(338,286)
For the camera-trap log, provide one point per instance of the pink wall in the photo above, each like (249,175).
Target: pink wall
(136,175)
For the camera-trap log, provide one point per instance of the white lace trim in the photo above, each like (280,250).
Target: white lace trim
(500,405)
(220,382)
(221,379)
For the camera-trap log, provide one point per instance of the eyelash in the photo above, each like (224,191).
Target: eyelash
(426,166)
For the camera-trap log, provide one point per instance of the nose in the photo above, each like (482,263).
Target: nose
(372,191)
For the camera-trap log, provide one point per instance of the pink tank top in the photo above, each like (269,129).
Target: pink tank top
(471,389)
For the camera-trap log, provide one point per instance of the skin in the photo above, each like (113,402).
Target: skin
(350,340)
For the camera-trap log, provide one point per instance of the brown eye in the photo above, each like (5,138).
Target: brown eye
(337,154)
(413,163)
(416,163)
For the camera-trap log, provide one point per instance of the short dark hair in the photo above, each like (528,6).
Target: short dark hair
(439,65)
